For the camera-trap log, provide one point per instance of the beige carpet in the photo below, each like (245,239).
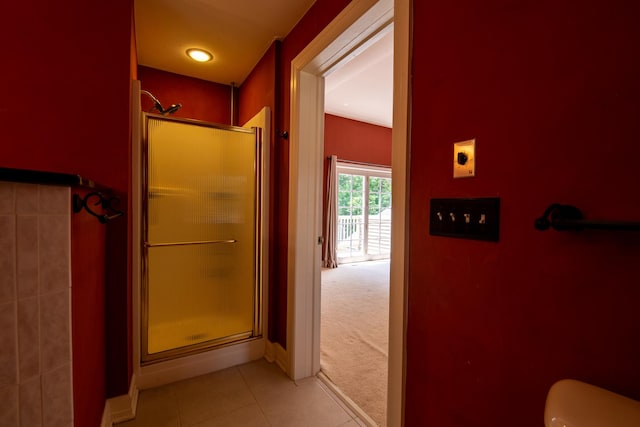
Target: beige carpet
(354,333)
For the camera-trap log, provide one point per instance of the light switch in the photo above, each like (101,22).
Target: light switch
(477,219)
(464,159)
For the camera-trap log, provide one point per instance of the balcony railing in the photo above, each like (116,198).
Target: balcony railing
(351,236)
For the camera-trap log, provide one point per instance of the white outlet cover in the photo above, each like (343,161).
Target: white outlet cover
(468,169)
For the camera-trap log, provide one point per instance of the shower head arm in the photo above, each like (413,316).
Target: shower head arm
(156,103)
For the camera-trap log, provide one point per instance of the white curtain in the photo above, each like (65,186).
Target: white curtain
(329,253)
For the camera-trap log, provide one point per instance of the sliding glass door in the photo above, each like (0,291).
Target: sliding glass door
(364,213)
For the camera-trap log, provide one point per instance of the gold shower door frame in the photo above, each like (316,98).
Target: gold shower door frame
(224,210)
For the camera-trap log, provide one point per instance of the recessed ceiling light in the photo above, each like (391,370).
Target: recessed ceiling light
(199,55)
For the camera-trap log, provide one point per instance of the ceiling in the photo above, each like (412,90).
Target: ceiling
(362,89)
(239,32)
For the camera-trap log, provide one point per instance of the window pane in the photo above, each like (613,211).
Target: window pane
(358,182)
(374,184)
(350,239)
(344,182)
(363,222)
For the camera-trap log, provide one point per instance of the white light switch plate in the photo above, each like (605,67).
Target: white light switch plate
(464,159)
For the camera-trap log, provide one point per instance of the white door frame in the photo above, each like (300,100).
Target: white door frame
(354,25)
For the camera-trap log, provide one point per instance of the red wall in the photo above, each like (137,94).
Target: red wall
(88,316)
(550,90)
(200,99)
(259,88)
(315,20)
(118,303)
(256,92)
(67,110)
(357,141)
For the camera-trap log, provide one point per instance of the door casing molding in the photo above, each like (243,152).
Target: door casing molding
(356,24)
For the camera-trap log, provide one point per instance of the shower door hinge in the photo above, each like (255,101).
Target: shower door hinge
(320,240)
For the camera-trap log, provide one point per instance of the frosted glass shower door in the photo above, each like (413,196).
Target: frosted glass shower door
(201,252)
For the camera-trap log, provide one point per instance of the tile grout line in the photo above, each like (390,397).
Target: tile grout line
(174,395)
(244,379)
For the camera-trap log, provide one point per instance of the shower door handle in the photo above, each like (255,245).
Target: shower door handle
(199,242)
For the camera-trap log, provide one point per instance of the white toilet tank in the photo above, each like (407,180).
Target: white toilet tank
(572,403)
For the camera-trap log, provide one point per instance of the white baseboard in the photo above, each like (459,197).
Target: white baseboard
(121,408)
(171,371)
(274,352)
(270,351)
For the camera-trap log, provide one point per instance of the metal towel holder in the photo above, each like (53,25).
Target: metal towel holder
(105,203)
(567,217)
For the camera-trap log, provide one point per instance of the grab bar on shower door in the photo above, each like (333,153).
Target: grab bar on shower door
(200,242)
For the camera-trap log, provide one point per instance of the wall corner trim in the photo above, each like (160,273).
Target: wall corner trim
(274,352)
(121,408)
(106,416)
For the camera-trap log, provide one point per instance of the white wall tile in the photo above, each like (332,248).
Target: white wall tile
(7,258)
(8,345)
(7,198)
(53,244)
(55,200)
(56,398)
(28,338)
(27,255)
(31,403)
(9,405)
(26,199)
(55,330)
(35,325)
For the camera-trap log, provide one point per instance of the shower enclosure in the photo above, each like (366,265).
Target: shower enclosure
(201,283)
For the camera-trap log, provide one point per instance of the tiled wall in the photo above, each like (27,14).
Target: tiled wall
(35,310)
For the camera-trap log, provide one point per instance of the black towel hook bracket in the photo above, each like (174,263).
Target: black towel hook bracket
(106,203)
(567,217)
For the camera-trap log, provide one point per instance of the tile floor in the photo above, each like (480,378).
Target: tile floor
(256,394)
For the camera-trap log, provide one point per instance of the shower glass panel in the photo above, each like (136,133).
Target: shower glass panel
(202,284)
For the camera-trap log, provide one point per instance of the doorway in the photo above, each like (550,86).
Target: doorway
(359,20)
(355,292)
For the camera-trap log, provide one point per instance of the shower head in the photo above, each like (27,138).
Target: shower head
(158,106)
(172,109)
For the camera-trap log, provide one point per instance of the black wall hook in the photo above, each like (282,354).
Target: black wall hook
(104,202)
